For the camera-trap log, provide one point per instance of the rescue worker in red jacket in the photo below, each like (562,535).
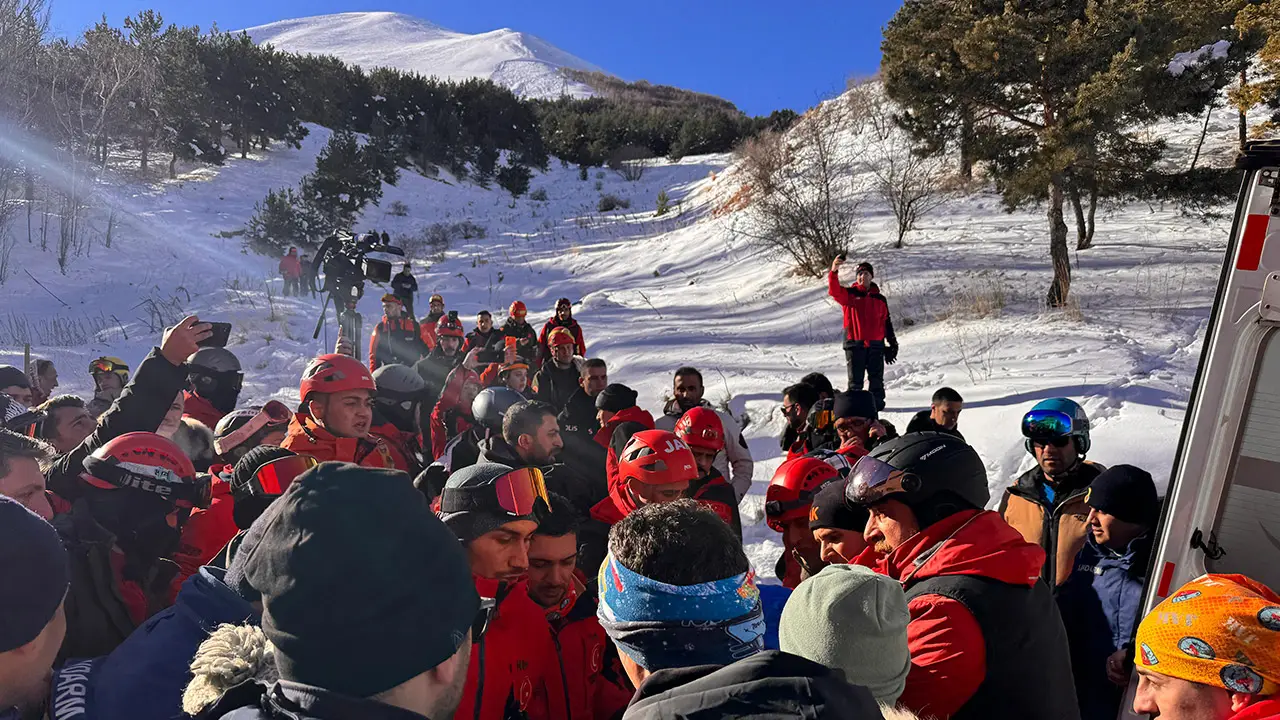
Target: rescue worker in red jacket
(654,467)
(215,382)
(428,324)
(700,428)
(452,415)
(589,668)
(619,418)
(397,339)
(869,340)
(787,503)
(562,319)
(985,636)
(337,414)
(514,670)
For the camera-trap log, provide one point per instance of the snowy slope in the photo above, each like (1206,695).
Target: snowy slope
(657,293)
(528,65)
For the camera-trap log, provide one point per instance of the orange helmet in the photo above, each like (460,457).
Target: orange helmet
(335,373)
(518,309)
(560,336)
(449,326)
(150,463)
(792,488)
(701,428)
(657,457)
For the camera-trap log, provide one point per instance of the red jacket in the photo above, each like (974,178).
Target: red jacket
(866,313)
(209,530)
(572,326)
(290,266)
(396,341)
(612,509)
(306,437)
(1266,709)
(591,675)
(398,446)
(448,417)
(197,407)
(948,652)
(717,494)
(604,437)
(521,668)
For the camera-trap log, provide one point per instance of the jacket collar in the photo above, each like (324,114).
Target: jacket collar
(302,701)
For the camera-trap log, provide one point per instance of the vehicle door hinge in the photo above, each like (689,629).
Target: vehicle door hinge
(1269,304)
(1212,549)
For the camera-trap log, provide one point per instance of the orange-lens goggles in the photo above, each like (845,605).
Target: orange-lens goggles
(518,490)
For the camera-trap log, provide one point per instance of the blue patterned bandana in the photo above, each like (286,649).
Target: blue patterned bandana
(663,626)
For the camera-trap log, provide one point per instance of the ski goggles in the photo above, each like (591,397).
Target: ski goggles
(104,365)
(273,415)
(1047,424)
(873,480)
(273,478)
(183,492)
(778,508)
(515,493)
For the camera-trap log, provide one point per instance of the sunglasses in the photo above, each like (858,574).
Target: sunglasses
(872,480)
(1058,442)
(515,493)
(272,479)
(272,415)
(1047,424)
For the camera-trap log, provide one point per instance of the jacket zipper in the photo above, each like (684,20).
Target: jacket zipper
(1053,517)
(480,682)
(564,678)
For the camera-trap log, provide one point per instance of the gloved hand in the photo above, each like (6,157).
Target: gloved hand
(890,354)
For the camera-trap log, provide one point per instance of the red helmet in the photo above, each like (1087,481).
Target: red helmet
(518,309)
(148,462)
(335,373)
(449,326)
(701,428)
(657,457)
(792,488)
(560,336)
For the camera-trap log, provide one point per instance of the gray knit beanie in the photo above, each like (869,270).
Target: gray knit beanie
(850,618)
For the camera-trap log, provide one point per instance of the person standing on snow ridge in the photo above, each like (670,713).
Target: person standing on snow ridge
(397,339)
(405,286)
(216,381)
(428,323)
(562,319)
(734,462)
(308,279)
(1047,503)
(291,271)
(337,414)
(869,343)
(589,668)
(985,636)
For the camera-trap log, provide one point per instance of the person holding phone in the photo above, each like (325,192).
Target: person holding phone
(517,329)
(216,381)
(870,342)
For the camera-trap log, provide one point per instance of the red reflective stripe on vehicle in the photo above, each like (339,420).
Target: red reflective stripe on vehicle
(1255,235)
(1166,579)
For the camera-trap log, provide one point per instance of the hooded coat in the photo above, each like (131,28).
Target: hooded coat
(449,418)
(771,685)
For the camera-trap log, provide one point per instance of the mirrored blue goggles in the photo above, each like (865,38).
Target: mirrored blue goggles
(1047,425)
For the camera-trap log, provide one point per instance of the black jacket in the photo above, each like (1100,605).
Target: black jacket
(526,340)
(554,385)
(404,284)
(434,369)
(582,492)
(295,701)
(771,685)
(923,422)
(141,407)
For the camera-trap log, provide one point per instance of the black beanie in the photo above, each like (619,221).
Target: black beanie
(1127,492)
(363,588)
(36,574)
(865,266)
(855,404)
(830,510)
(616,397)
(10,375)
(467,525)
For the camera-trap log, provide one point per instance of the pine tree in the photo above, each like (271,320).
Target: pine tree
(514,179)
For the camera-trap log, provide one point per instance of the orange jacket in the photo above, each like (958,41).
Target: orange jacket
(398,444)
(307,437)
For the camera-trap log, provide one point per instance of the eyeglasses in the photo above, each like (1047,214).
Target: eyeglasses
(1044,424)
(273,414)
(872,480)
(514,493)
(273,478)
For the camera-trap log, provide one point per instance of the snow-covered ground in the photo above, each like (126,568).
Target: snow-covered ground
(655,293)
(528,65)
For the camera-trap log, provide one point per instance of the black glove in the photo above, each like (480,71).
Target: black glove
(890,354)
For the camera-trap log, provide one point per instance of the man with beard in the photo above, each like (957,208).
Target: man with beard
(337,414)
(562,319)
(397,339)
(734,462)
(121,535)
(531,438)
(34,566)
(428,323)
(215,385)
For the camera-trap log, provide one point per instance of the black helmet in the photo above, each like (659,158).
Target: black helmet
(214,360)
(491,405)
(935,474)
(398,384)
(214,374)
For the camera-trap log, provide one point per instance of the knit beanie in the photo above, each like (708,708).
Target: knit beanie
(616,397)
(851,618)
(468,525)
(855,404)
(831,510)
(1126,492)
(865,266)
(36,574)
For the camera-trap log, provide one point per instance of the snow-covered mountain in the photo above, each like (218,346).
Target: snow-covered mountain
(529,65)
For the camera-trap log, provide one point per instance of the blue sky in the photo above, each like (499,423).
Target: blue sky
(760,55)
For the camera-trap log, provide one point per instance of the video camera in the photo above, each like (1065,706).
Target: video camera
(342,257)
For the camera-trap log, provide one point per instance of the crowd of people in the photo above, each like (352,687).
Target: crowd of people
(481,525)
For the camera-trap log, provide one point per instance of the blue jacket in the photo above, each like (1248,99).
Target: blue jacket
(1101,606)
(144,678)
(773,598)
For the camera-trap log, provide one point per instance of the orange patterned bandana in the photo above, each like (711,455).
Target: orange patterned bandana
(1219,630)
